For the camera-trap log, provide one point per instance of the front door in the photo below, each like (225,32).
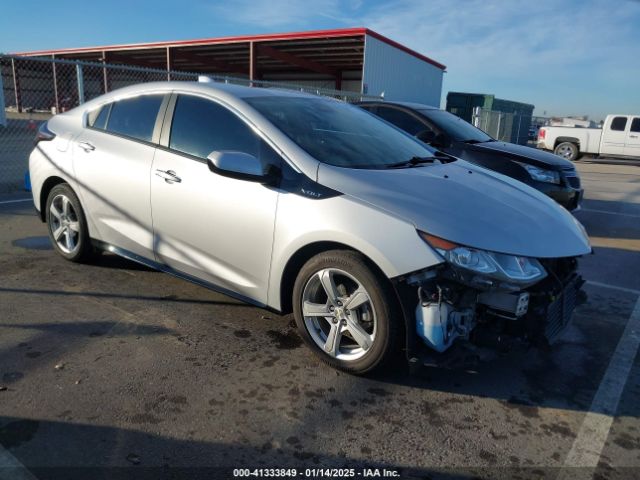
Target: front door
(614,135)
(215,228)
(632,145)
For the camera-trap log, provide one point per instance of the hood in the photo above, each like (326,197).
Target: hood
(468,205)
(521,153)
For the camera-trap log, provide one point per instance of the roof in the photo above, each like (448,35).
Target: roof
(413,105)
(225,91)
(228,89)
(262,38)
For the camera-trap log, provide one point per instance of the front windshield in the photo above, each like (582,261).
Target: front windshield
(455,127)
(338,133)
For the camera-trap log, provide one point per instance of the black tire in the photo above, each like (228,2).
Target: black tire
(83,250)
(385,311)
(567,150)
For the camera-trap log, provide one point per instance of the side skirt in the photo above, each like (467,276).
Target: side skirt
(166,269)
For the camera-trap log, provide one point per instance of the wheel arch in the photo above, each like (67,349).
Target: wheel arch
(573,140)
(47,186)
(304,254)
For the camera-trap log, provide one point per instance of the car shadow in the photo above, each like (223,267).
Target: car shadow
(58,450)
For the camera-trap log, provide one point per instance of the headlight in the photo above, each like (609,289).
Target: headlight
(512,268)
(540,174)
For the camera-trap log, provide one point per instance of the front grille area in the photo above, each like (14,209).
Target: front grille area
(560,311)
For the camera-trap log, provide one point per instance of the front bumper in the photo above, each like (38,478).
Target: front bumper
(558,313)
(568,196)
(488,329)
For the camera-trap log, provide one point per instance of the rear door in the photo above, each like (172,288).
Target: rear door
(112,162)
(614,135)
(632,145)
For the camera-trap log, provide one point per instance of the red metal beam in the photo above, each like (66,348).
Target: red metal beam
(335,33)
(295,60)
(314,34)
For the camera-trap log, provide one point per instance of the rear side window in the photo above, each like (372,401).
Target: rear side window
(619,124)
(100,120)
(402,120)
(201,126)
(635,125)
(135,117)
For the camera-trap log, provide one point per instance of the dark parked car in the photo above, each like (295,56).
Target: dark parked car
(448,133)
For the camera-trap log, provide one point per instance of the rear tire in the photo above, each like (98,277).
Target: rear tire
(355,329)
(567,150)
(67,225)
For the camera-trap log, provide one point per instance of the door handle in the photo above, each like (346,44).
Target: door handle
(86,146)
(633,136)
(169,176)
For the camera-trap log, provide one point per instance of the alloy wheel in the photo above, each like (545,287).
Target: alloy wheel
(339,314)
(565,151)
(64,224)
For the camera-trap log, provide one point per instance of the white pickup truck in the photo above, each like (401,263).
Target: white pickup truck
(618,137)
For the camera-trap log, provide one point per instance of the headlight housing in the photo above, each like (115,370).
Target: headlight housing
(540,174)
(500,266)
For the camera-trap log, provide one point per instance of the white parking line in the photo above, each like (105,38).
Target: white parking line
(16,201)
(614,287)
(11,468)
(607,212)
(588,445)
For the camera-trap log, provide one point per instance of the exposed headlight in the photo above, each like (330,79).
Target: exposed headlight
(541,175)
(511,268)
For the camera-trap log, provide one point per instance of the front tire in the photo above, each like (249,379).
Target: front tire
(67,225)
(345,311)
(567,150)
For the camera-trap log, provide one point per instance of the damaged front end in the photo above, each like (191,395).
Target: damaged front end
(477,301)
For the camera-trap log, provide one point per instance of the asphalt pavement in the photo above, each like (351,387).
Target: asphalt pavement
(112,370)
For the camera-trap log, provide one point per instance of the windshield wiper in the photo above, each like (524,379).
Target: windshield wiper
(413,162)
(474,141)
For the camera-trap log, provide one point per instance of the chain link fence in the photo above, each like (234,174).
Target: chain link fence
(503,126)
(34,89)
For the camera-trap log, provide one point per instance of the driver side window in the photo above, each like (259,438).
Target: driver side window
(201,126)
(402,120)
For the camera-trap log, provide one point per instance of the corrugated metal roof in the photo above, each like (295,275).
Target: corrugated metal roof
(288,39)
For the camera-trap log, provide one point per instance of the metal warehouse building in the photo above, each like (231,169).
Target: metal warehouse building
(352,59)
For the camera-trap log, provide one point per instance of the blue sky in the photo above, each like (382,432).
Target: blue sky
(567,57)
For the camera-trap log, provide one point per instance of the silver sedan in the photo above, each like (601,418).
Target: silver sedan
(296,203)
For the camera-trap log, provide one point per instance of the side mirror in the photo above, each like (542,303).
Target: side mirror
(239,165)
(427,136)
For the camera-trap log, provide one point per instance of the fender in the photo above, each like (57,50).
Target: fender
(391,243)
(560,140)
